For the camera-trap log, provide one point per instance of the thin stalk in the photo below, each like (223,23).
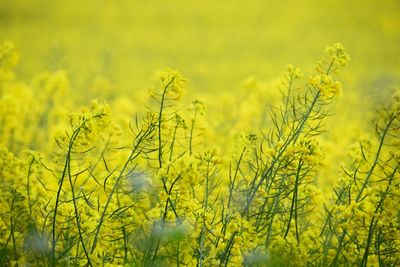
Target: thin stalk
(191,132)
(168,203)
(64,173)
(202,234)
(376,160)
(12,229)
(293,208)
(28,190)
(78,224)
(160,152)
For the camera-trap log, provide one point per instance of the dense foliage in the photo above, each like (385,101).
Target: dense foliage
(101,187)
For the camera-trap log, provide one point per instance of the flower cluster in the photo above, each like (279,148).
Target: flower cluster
(173,82)
(327,86)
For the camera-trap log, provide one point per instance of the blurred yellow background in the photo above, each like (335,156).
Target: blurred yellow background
(216,44)
(111,51)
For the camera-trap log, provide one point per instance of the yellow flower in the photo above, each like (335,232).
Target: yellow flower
(294,72)
(174,84)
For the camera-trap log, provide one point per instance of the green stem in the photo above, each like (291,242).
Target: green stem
(78,224)
(160,160)
(64,173)
(191,133)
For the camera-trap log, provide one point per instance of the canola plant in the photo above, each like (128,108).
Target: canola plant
(152,191)
(269,174)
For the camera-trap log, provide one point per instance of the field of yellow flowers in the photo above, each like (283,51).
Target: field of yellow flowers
(175,133)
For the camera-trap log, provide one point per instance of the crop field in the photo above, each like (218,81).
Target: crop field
(200,133)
